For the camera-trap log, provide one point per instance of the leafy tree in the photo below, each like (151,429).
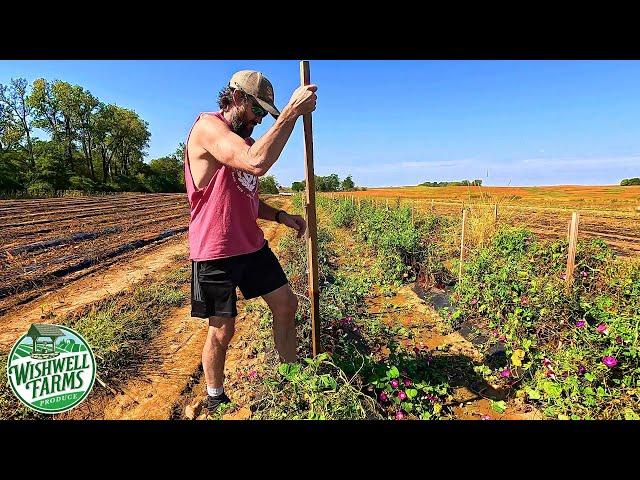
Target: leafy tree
(347,184)
(268,184)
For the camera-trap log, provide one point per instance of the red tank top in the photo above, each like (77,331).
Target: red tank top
(223,214)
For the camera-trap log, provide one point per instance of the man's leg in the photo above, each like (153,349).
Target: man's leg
(283,304)
(221,330)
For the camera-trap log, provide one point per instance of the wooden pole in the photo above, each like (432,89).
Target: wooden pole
(495,213)
(432,205)
(464,222)
(571,257)
(310,210)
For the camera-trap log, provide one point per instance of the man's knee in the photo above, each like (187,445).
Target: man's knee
(221,330)
(287,307)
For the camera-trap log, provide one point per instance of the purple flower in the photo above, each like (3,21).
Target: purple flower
(394,383)
(585,274)
(383,397)
(581,370)
(399,415)
(609,361)
(407,382)
(580,323)
(619,340)
(563,276)
(506,373)
(602,328)
(402,395)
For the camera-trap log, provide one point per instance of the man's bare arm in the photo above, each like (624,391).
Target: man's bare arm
(229,149)
(266,211)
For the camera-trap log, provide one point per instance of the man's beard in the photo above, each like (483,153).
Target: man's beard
(240,126)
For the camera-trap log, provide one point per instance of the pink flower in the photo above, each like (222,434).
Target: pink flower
(486,417)
(253,374)
(402,395)
(383,397)
(546,362)
(609,361)
(619,340)
(407,382)
(550,374)
(474,301)
(563,276)
(524,300)
(416,350)
(394,383)
(580,323)
(585,274)
(506,373)
(399,415)
(602,328)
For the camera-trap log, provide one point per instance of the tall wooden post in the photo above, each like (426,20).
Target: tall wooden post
(464,223)
(495,213)
(571,257)
(310,210)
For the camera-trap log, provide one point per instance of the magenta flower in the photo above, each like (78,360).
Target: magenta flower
(506,373)
(253,374)
(581,370)
(563,276)
(402,395)
(585,274)
(602,328)
(550,374)
(580,323)
(399,415)
(407,382)
(619,340)
(383,397)
(546,362)
(486,417)
(394,383)
(609,361)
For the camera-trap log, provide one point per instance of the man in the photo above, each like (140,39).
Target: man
(227,248)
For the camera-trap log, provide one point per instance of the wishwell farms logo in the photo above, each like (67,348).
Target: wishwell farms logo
(51,368)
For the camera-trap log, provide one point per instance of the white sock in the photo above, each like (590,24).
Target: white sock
(214,392)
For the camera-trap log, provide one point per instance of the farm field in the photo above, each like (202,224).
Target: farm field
(403,337)
(606,212)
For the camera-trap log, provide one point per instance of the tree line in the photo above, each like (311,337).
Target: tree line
(91,146)
(630,181)
(462,183)
(330,183)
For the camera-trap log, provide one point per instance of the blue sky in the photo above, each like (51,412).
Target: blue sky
(403,122)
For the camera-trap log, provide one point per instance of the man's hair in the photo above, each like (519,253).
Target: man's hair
(225,97)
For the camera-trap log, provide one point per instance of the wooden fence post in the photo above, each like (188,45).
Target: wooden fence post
(464,222)
(571,257)
(495,213)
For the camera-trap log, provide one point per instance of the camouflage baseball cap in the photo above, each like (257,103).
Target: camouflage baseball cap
(258,86)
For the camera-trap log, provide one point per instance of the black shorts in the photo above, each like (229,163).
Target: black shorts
(214,282)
